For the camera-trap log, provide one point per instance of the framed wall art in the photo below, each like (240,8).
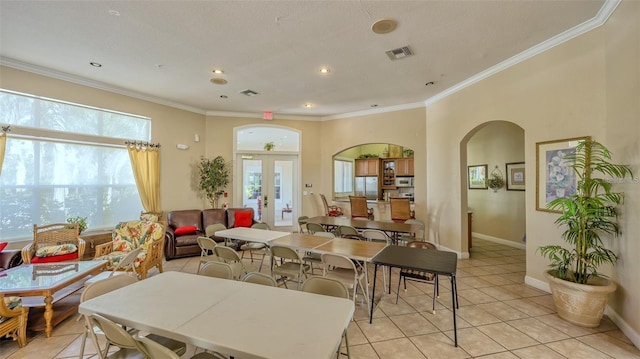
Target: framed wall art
(554,176)
(477,176)
(515,176)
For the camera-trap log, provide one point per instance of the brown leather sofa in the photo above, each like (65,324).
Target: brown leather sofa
(186,245)
(10,258)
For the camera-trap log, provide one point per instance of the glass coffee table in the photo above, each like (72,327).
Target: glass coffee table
(43,285)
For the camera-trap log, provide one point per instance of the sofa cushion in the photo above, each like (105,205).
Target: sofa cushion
(56,250)
(185,230)
(58,258)
(130,235)
(243,219)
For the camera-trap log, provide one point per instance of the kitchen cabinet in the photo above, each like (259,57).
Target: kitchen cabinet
(404,166)
(367,167)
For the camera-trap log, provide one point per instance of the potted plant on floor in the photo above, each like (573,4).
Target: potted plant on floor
(579,292)
(214,178)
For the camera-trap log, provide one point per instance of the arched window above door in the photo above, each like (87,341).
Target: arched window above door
(267,138)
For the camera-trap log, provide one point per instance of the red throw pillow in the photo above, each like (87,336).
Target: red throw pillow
(3,245)
(243,219)
(185,230)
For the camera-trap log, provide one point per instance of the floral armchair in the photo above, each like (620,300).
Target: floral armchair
(13,319)
(127,236)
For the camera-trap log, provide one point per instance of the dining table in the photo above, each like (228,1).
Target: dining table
(392,229)
(234,318)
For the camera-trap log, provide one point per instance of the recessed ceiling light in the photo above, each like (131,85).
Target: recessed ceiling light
(218,81)
(384,26)
(114,12)
(218,72)
(95,64)
(308,105)
(325,70)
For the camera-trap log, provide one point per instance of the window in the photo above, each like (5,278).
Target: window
(65,160)
(343,176)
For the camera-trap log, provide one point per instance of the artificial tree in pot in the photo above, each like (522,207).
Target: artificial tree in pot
(214,178)
(579,291)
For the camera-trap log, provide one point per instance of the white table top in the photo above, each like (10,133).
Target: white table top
(234,318)
(251,234)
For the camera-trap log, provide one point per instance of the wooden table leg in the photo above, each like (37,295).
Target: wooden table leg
(48,314)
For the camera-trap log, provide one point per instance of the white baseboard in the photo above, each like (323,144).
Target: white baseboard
(461,255)
(618,320)
(499,240)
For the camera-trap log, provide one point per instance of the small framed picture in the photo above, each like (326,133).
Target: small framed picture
(395,151)
(515,176)
(554,175)
(477,177)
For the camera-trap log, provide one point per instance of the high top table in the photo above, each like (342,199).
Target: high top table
(238,319)
(391,228)
(424,260)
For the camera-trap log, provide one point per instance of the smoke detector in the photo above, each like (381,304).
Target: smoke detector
(399,53)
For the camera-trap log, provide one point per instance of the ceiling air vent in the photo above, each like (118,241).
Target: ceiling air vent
(399,53)
(248,92)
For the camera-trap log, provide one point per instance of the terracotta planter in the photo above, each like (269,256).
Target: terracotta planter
(580,304)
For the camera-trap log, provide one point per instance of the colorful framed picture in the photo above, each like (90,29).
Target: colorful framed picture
(515,176)
(477,176)
(554,176)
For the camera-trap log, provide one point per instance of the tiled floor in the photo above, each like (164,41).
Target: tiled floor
(499,317)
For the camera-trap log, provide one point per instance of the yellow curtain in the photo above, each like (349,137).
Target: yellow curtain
(145,162)
(3,144)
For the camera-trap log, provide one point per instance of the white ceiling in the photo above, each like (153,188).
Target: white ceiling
(166,50)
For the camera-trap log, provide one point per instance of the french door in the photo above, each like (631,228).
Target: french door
(269,184)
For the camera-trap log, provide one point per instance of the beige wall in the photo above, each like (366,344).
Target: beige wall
(500,215)
(405,128)
(587,86)
(170,126)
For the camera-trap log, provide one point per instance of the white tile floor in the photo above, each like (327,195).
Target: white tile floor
(499,317)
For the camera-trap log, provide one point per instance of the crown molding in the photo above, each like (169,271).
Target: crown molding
(19,65)
(601,17)
(377,110)
(276,116)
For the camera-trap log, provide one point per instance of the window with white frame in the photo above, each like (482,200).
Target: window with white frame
(342,177)
(64,160)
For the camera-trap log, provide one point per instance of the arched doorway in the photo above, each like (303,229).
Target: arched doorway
(498,216)
(267,172)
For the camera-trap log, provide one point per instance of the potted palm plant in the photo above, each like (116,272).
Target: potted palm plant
(579,292)
(214,178)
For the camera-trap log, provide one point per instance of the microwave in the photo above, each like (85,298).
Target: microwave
(404,181)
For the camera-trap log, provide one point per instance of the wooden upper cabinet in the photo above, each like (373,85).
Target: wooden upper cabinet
(404,167)
(367,167)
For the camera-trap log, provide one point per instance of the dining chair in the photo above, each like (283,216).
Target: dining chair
(400,208)
(125,264)
(207,251)
(211,230)
(374,235)
(286,263)
(314,257)
(259,278)
(218,270)
(359,207)
(420,276)
(330,210)
(333,288)
(152,350)
(314,227)
(231,257)
(256,246)
(302,223)
(344,230)
(415,236)
(350,273)
(117,336)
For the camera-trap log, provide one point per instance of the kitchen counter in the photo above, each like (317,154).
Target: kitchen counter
(381,209)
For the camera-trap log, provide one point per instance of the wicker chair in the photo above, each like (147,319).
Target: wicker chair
(130,235)
(359,208)
(13,322)
(332,211)
(401,209)
(53,235)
